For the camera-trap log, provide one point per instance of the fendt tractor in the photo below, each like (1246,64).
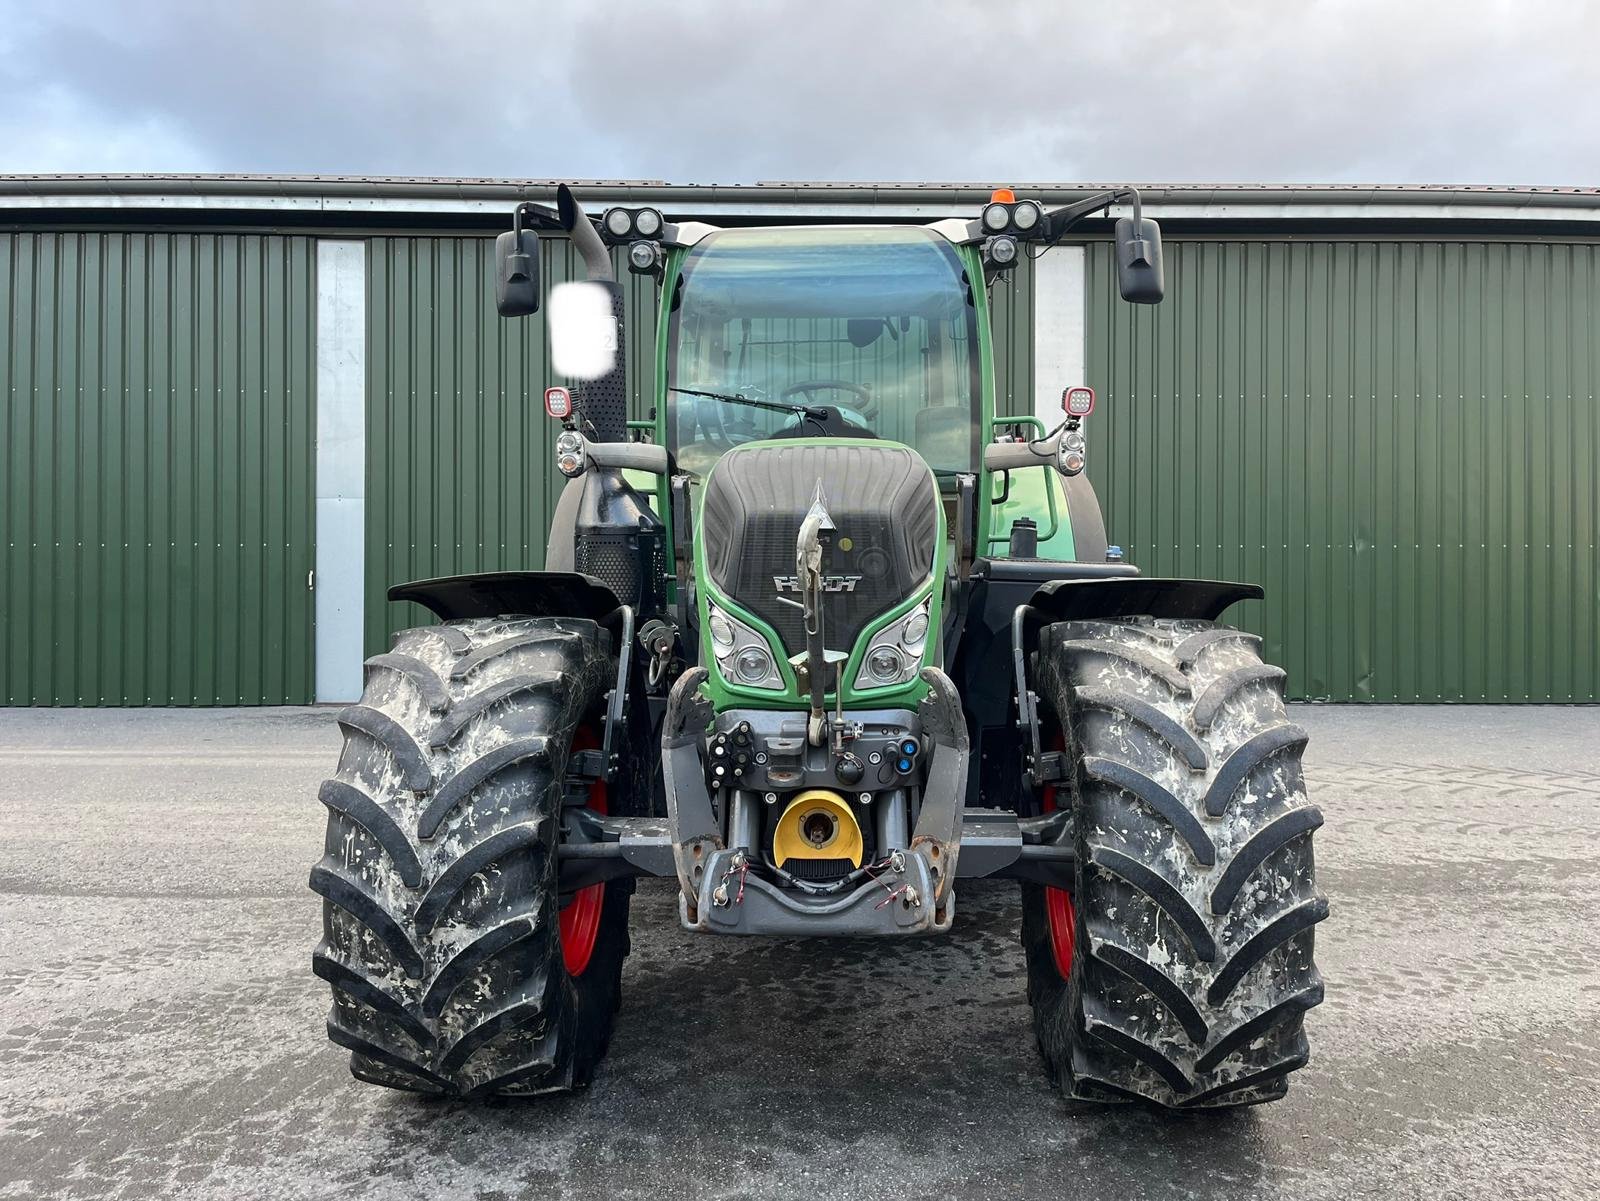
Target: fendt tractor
(822,639)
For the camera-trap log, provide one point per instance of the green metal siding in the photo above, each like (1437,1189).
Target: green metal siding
(1397,439)
(156,446)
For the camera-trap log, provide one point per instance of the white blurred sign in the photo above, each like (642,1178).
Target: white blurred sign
(583,332)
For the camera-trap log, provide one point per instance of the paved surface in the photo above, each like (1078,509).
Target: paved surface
(160,1032)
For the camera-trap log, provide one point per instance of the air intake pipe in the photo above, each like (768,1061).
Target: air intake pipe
(602,403)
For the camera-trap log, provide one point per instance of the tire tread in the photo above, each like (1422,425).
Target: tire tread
(1189,817)
(439,874)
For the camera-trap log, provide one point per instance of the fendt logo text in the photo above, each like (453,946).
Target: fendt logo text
(830,583)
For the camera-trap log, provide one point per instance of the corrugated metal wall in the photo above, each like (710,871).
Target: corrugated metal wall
(1398,439)
(156,445)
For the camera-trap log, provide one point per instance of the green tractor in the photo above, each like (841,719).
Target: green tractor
(825,637)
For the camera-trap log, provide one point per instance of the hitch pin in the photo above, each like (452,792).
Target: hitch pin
(890,898)
(720,896)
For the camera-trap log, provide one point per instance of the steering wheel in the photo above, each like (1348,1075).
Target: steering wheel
(866,404)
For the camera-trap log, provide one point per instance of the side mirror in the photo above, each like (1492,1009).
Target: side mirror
(516,270)
(1139,276)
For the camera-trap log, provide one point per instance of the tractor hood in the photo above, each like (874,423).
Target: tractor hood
(879,557)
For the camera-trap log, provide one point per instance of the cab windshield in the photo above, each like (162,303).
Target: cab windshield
(876,324)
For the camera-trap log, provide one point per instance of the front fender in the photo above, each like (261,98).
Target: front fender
(497,593)
(1138,596)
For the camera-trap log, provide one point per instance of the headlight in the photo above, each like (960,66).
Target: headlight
(996,217)
(647,223)
(558,403)
(570,459)
(743,655)
(644,258)
(752,665)
(894,656)
(885,664)
(618,222)
(915,630)
(1072,453)
(1026,215)
(1077,402)
(1001,250)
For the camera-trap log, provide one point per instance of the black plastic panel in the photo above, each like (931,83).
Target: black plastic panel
(884,504)
(1204,600)
(491,594)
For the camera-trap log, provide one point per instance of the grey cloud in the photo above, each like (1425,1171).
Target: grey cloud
(1441,91)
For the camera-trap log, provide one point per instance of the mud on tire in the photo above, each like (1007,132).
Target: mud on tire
(441,904)
(1188,938)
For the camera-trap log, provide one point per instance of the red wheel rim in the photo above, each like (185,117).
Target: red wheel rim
(580,920)
(1058,901)
(1063,926)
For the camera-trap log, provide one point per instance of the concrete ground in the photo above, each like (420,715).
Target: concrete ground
(161,1033)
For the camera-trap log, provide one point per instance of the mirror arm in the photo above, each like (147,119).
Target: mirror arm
(1058,221)
(536,215)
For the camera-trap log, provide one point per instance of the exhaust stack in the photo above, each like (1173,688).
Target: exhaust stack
(602,403)
(596,258)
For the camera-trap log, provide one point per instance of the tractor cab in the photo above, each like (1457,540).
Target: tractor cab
(866,332)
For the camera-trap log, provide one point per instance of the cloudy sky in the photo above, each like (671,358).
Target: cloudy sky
(1395,91)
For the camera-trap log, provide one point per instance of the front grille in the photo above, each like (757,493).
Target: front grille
(631,564)
(818,871)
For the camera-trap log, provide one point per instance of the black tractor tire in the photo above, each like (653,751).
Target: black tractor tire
(1188,935)
(441,906)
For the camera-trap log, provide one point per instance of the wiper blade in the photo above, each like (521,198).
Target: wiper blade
(774,406)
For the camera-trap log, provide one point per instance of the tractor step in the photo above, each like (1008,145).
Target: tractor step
(612,847)
(996,842)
